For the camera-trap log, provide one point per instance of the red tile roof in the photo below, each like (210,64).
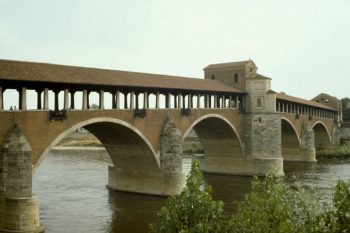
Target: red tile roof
(43,72)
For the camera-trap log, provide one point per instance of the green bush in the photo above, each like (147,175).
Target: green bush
(193,210)
(337,220)
(335,152)
(275,206)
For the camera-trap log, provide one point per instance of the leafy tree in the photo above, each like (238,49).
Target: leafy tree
(275,206)
(337,220)
(193,210)
(94,106)
(345,103)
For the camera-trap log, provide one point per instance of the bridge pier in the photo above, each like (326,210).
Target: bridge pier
(308,145)
(19,208)
(263,143)
(167,179)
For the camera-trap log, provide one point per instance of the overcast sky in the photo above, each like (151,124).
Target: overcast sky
(304,46)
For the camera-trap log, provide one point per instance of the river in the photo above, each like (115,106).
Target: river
(74,198)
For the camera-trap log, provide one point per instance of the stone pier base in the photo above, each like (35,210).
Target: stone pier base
(241,166)
(300,155)
(152,182)
(20,215)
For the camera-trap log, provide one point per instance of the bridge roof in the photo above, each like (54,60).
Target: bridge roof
(289,98)
(63,74)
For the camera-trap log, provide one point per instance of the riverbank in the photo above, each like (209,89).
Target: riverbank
(341,152)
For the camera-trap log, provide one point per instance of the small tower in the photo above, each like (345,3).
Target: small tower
(262,121)
(260,98)
(232,73)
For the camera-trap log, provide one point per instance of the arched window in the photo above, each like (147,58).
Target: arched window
(236,77)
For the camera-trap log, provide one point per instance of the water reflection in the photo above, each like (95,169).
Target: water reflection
(133,212)
(74,198)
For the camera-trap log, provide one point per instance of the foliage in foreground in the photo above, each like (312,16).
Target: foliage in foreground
(275,206)
(337,220)
(272,206)
(193,210)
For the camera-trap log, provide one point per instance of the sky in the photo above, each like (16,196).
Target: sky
(304,46)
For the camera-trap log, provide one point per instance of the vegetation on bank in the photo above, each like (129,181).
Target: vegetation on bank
(341,152)
(272,206)
(190,148)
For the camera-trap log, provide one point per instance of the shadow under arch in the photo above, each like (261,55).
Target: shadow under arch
(217,117)
(291,143)
(221,143)
(322,135)
(121,140)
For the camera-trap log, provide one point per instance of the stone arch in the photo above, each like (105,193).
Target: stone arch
(322,135)
(123,142)
(219,138)
(290,140)
(219,117)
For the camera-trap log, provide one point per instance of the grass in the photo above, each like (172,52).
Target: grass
(341,152)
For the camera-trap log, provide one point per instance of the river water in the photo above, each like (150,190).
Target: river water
(74,198)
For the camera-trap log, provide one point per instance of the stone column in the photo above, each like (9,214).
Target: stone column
(223,102)
(56,100)
(38,103)
(125,100)
(19,207)
(230,102)
(88,99)
(198,101)
(117,100)
(137,100)
(184,101)
(145,100)
(114,104)
(215,101)
(22,99)
(179,100)
(209,101)
(85,99)
(1,99)
(66,99)
(132,100)
(157,100)
(46,99)
(189,100)
(72,104)
(176,101)
(102,99)
(167,100)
